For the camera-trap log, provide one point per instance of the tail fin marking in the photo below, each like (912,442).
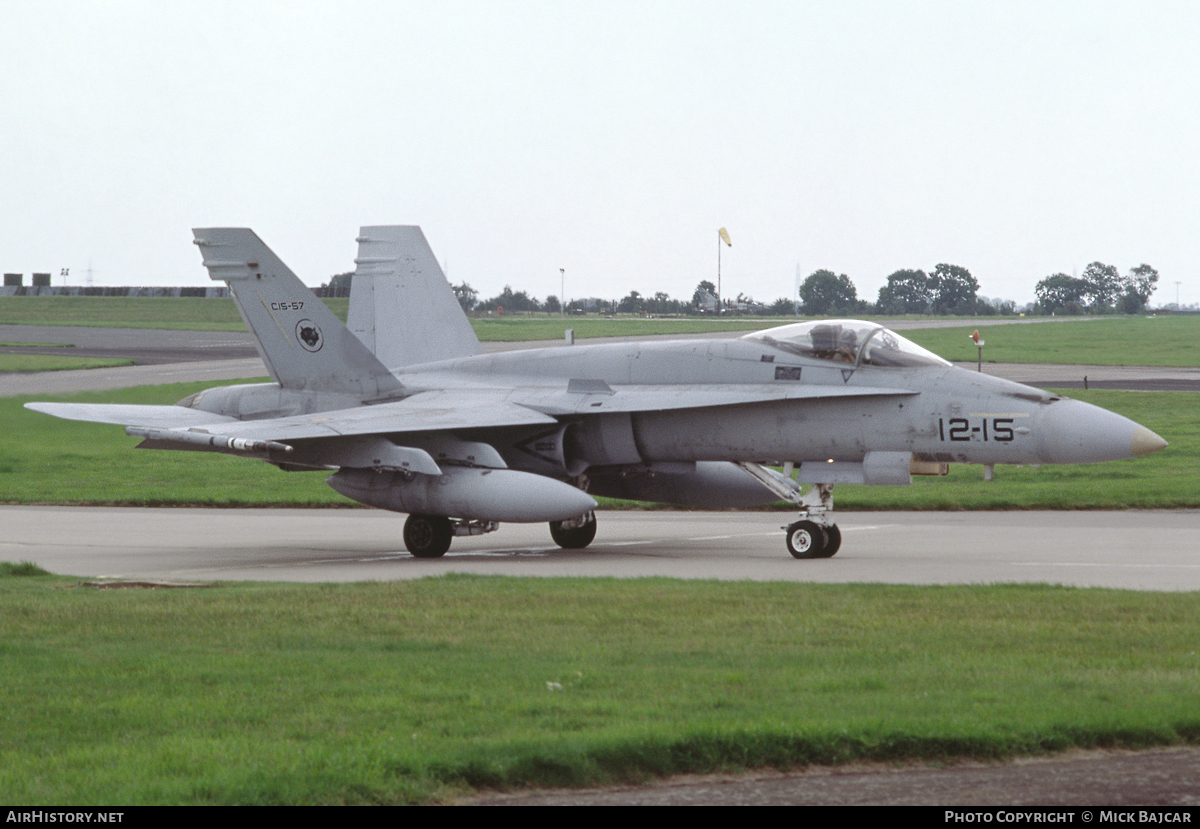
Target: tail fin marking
(302,343)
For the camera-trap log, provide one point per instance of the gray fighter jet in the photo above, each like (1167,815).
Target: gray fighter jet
(407,413)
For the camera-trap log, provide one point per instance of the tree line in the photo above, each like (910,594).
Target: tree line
(952,291)
(948,290)
(1101,290)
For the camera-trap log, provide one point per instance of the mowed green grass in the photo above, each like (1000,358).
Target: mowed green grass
(198,314)
(71,462)
(1109,341)
(414,691)
(202,314)
(55,362)
(67,462)
(1151,341)
(182,313)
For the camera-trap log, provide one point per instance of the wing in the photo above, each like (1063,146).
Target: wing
(355,437)
(452,409)
(425,412)
(158,417)
(433,411)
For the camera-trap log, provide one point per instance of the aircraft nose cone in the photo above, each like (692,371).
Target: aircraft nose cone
(1145,442)
(1070,431)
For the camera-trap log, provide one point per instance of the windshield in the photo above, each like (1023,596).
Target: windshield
(854,342)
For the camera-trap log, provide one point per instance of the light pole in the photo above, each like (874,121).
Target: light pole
(562,292)
(722,236)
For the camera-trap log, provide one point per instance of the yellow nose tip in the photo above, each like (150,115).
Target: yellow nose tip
(1145,442)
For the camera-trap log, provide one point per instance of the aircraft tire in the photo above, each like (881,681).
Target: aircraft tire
(573,538)
(833,541)
(806,540)
(427,536)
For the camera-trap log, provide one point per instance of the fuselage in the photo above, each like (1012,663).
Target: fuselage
(937,411)
(796,402)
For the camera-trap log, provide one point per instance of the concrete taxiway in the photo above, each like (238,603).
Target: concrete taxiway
(1148,550)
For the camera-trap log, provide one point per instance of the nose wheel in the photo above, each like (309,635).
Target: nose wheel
(807,539)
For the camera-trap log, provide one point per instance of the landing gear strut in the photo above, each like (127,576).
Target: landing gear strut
(574,533)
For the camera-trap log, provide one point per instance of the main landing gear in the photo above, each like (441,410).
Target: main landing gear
(814,535)
(428,536)
(575,533)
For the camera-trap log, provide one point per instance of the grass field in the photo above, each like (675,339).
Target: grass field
(197,314)
(183,313)
(1150,341)
(1112,341)
(67,462)
(55,362)
(36,345)
(413,691)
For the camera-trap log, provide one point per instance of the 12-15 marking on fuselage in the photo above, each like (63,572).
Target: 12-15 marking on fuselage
(989,428)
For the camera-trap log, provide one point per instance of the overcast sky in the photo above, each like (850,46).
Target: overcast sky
(610,138)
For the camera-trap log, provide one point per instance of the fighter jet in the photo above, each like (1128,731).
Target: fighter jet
(404,410)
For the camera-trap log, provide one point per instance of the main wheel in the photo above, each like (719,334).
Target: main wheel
(574,538)
(833,540)
(427,536)
(805,540)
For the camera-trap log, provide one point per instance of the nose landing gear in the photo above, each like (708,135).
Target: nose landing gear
(814,535)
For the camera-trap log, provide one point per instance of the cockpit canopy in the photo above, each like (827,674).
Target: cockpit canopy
(853,342)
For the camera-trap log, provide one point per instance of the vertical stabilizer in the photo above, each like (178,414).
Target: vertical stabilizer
(401,306)
(302,343)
